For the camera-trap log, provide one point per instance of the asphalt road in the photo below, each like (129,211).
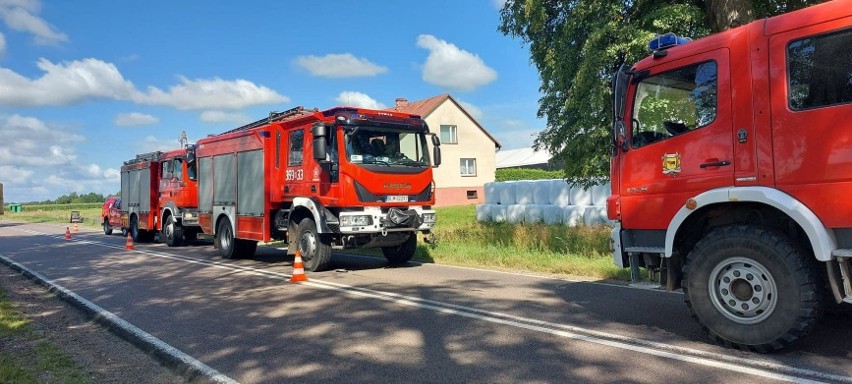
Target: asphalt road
(364,323)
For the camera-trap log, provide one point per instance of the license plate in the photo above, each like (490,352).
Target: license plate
(397,199)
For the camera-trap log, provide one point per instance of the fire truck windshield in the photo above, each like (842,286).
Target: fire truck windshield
(386,147)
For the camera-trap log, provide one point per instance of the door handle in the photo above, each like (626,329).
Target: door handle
(715,164)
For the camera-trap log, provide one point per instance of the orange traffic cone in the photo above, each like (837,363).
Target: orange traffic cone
(75,228)
(298,269)
(128,246)
(67,233)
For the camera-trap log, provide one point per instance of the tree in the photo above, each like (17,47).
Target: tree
(577,46)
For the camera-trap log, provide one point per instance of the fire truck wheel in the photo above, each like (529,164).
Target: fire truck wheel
(315,248)
(172,232)
(134,229)
(751,288)
(225,240)
(402,253)
(107,228)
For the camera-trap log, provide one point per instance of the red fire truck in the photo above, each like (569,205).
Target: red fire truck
(159,193)
(341,178)
(732,169)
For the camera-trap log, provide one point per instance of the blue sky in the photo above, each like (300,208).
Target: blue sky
(85,85)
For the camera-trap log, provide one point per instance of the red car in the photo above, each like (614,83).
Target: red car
(111,215)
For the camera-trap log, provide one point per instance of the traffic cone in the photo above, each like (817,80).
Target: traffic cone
(128,246)
(298,269)
(67,233)
(75,228)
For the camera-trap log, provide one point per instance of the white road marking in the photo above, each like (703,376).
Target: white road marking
(709,359)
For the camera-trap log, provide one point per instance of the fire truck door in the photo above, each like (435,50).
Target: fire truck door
(680,140)
(294,176)
(812,139)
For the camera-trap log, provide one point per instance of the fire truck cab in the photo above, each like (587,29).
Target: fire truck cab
(732,168)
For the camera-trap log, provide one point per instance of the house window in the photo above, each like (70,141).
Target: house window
(448,134)
(468,167)
(471,195)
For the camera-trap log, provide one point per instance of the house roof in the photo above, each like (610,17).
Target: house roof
(425,107)
(521,157)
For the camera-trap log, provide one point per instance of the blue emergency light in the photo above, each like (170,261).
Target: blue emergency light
(667,40)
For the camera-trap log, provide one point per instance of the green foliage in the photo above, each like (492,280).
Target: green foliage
(509,174)
(72,198)
(577,46)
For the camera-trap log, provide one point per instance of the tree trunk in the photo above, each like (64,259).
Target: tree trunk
(725,14)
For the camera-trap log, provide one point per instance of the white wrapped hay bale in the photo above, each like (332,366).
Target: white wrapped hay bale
(524,192)
(580,195)
(541,192)
(483,212)
(560,193)
(600,194)
(572,215)
(492,194)
(499,213)
(551,214)
(534,213)
(595,215)
(515,213)
(507,193)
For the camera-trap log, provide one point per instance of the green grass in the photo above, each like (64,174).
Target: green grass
(35,359)
(91,216)
(461,240)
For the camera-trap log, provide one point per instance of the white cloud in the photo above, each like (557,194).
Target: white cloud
(64,84)
(28,141)
(39,162)
(358,99)
(133,119)
(449,67)
(224,117)
(339,65)
(77,81)
(21,15)
(212,93)
(152,143)
(498,4)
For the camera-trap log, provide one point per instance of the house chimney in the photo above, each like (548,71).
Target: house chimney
(401,102)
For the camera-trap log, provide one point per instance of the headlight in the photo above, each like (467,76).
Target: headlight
(187,215)
(351,221)
(428,217)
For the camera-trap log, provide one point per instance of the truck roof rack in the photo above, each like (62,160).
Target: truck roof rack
(289,114)
(142,157)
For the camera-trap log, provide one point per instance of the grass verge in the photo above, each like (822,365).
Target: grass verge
(26,357)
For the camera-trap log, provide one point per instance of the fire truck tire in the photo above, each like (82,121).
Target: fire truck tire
(107,228)
(172,232)
(314,247)
(752,288)
(225,240)
(402,253)
(134,229)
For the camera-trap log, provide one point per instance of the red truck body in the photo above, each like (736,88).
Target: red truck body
(340,178)
(159,194)
(731,171)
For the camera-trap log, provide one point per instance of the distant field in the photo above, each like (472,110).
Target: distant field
(461,240)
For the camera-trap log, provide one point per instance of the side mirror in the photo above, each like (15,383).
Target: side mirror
(320,143)
(436,154)
(436,141)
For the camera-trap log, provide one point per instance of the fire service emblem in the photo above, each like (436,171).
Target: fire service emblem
(671,164)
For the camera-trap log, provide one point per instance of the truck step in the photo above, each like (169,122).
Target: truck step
(842,252)
(659,250)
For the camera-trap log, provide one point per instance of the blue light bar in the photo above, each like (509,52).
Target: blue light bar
(667,40)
